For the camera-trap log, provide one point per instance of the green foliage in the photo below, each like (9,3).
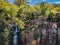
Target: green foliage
(4,40)
(4,33)
(18,22)
(21,14)
(19,2)
(51,17)
(8,12)
(5,36)
(36,36)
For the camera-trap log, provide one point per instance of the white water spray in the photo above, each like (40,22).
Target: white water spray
(15,37)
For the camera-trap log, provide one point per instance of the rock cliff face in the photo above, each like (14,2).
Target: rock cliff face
(41,32)
(46,34)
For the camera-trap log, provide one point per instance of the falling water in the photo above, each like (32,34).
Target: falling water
(15,37)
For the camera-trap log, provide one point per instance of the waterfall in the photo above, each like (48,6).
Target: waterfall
(15,37)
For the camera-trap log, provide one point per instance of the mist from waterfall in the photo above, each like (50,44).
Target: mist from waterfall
(15,37)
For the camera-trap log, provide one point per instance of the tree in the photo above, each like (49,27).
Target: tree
(5,0)
(8,15)
(19,2)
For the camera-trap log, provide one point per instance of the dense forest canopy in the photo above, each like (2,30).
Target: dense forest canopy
(20,13)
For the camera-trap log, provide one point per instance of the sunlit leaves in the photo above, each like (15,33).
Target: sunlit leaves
(9,11)
(53,11)
(24,16)
(23,8)
(31,9)
(18,22)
